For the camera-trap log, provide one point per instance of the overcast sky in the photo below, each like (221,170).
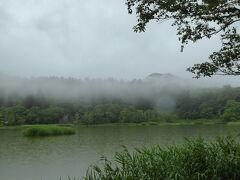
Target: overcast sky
(90,38)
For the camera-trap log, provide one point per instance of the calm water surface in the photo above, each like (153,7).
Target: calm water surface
(49,158)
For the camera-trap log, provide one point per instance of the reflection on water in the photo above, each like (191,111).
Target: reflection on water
(49,158)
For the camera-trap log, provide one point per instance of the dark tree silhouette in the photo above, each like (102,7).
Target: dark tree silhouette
(195,20)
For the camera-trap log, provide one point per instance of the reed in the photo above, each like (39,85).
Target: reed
(193,160)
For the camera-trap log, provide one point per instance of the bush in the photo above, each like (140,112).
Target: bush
(231,111)
(194,160)
(48,130)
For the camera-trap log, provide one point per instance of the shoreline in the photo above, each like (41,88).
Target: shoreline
(233,123)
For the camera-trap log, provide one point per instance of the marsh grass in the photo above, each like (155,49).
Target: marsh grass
(237,123)
(48,130)
(193,160)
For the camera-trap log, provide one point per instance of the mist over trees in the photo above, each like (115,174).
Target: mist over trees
(157,98)
(155,91)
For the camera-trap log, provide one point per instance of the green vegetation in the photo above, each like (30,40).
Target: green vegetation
(199,106)
(17,115)
(233,123)
(154,123)
(232,111)
(119,113)
(193,160)
(47,130)
(208,103)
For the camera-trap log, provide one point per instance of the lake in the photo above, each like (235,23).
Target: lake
(48,158)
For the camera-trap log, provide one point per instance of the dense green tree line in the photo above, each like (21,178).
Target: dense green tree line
(214,103)
(102,113)
(16,115)
(207,103)
(119,113)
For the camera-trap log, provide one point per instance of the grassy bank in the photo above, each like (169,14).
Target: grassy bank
(10,127)
(149,123)
(191,161)
(236,123)
(175,123)
(33,125)
(47,130)
(138,124)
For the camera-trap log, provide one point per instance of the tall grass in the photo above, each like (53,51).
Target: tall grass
(194,160)
(47,130)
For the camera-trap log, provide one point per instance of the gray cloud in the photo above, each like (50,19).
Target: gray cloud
(90,39)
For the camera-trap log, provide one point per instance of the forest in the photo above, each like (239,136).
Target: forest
(155,103)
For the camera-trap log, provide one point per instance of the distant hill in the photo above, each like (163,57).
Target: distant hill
(161,76)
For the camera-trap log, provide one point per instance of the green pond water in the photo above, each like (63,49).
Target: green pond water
(48,158)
